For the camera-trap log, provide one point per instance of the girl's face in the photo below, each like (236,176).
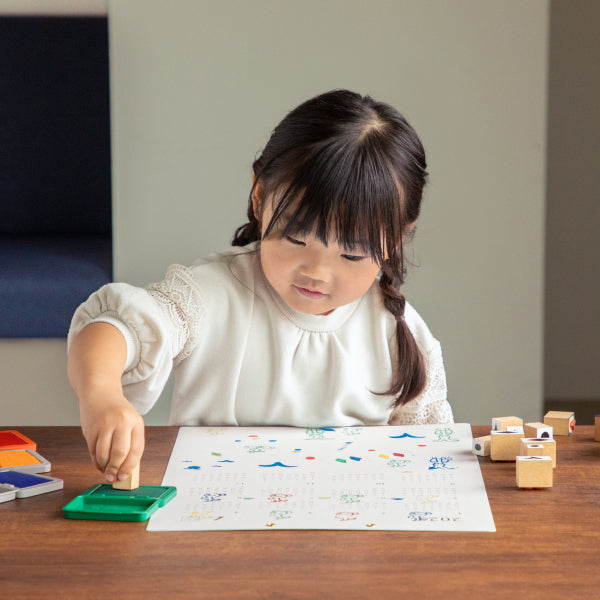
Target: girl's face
(311,277)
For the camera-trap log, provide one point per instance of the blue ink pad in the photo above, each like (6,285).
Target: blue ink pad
(102,502)
(28,484)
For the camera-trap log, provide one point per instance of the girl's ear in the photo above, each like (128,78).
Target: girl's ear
(256,198)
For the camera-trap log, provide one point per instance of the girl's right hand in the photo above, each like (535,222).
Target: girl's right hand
(113,429)
(114,432)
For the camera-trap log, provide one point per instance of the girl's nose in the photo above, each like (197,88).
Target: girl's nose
(316,268)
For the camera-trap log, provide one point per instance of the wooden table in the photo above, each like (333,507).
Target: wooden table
(547,543)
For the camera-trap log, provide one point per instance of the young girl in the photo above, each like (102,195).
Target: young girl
(300,323)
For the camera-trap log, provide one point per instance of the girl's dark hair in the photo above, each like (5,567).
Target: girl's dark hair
(346,166)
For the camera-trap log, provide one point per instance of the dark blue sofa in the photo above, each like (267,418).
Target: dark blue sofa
(55,184)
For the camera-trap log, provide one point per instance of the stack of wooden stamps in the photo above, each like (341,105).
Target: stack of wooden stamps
(531,445)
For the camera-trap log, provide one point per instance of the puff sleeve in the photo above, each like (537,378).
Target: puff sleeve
(160,323)
(431,406)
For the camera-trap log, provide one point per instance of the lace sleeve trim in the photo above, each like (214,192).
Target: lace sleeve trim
(431,406)
(180,299)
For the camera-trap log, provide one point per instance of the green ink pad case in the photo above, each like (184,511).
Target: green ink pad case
(104,503)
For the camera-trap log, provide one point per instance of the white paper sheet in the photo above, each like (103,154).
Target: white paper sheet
(420,477)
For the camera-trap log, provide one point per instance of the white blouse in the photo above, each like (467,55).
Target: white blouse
(242,356)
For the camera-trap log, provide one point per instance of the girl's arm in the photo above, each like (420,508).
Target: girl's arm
(113,429)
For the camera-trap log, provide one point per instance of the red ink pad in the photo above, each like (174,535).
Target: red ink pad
(13,440)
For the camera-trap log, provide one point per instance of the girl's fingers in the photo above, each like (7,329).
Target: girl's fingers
(103,449)
(119,450)
(115,438)
(91,444)
(135,452)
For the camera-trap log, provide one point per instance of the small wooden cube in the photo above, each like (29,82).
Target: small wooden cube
(503,423)
(534,471)
(131,483)
(505,445)
(481,445)
(537,430)
(548,444)
(533,450)
(562,422)
(597,428)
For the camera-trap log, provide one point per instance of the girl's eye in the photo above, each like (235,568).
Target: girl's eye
(295,241)
(353,257)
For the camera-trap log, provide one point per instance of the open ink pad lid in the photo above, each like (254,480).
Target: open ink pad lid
(24,460)
(104,503)
(28,484)
(14,440)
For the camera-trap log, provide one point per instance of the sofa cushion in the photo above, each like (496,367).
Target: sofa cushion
(44,278)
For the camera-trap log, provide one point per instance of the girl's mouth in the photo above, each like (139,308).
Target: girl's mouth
(308,293)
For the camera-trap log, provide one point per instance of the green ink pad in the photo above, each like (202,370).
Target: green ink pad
(104,503)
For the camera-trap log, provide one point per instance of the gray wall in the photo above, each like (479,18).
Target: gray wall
(197,86)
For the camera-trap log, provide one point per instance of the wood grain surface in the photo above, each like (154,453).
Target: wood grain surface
(547,543)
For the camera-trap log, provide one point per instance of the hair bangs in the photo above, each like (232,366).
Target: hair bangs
(351,198)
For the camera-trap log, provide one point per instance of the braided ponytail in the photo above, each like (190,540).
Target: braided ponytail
(411,375)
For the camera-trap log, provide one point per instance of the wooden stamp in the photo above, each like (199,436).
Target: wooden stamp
(562,422)
(534,471)
(533,450)
(505,445)
(481,445)
(549,447)
(537,430)
(131,483)
(504,423)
